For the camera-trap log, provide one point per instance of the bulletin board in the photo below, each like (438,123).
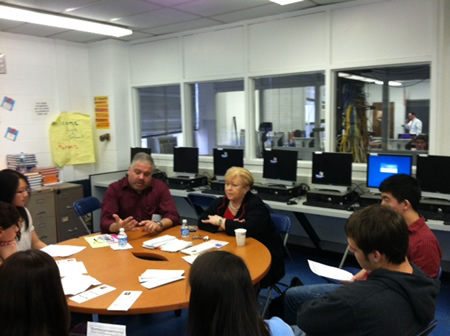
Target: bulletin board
(71,139)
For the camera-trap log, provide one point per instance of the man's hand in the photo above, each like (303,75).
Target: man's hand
(129,224)
(150,227)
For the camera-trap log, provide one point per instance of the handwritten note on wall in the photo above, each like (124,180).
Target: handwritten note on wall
(71,139)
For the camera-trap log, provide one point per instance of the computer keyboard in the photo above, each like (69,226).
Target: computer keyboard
(213,192)
(436,215)
(328,205)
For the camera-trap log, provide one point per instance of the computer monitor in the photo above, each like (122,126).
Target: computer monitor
(185,161)
(381,166)
(224,158)
(432,174)
(135,150)
(331,171)
(280,167)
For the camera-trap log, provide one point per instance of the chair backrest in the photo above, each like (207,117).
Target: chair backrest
(282,223)
(427,329)
(86,205)
(438,276)
(200,202)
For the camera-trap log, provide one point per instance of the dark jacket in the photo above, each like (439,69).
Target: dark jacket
(258,224)
(387,303)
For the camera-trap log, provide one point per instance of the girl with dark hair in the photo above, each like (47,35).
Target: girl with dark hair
(223,300)
(15,190)
(9,230)
(32,301)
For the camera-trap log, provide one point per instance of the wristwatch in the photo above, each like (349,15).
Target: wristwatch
(160,224)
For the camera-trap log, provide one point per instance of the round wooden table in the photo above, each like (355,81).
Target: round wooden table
(121,269)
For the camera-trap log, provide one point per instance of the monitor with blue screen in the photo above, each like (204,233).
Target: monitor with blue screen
(381,166)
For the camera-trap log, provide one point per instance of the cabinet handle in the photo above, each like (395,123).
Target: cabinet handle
(69,207)
(74,230)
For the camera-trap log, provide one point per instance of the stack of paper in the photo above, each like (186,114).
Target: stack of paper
(200,248)
(175,245)
(329,272)
(157,242)
(152,278)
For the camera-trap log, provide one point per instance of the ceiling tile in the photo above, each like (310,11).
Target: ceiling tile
(36,30)
(183,26)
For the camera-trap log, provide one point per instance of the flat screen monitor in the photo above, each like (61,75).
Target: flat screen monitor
(432,173)
(225,158)
(185,161)
(381,166)
(280,167)
(331,171)
(135,150)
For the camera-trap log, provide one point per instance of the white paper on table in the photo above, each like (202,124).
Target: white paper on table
(218,243)
(175,245)
(199,249)
(157,242)
(71,266)
(105,329)
(160,274)
(76,283)
(329,271)
(190,258)
(62,250)
(116,247)
(92,293)
(125,300)
(153,283)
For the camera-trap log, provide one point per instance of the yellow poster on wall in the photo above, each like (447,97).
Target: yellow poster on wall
(101,112)
(71,139)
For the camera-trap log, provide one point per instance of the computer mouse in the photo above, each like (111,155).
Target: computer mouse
(291,202)
(189,190)
(351,208)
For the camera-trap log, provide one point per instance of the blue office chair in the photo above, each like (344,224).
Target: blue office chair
(427,329)
(283,227)
(86,206)
(438,276)
(200,202)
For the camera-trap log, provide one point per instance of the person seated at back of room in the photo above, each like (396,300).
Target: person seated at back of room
(401,193)
(240,209)
(134,201)
(16,190)
(32,300)
(9,230)
(223,301)
(421,142)
(397,298)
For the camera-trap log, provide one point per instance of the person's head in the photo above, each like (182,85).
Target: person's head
(223,300)
(32,300)
(400,192)
(377,231)
(140,171)
(411,115)
(238,181)
(9,222)
(15,190)
(421,142)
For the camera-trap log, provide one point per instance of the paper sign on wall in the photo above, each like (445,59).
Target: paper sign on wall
(71,139)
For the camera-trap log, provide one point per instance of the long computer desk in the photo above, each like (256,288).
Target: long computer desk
(121,269)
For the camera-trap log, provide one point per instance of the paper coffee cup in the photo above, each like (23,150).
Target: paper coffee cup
(240,236)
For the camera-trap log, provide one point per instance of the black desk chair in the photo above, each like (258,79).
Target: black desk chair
(200,202)
(86,206)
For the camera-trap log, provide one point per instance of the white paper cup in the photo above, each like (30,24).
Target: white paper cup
(240,236)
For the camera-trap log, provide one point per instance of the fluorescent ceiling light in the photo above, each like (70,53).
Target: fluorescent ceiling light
(366,79)
(60,21)
(285,2)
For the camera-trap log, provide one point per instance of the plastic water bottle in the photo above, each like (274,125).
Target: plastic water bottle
(123,238)
(184,229)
